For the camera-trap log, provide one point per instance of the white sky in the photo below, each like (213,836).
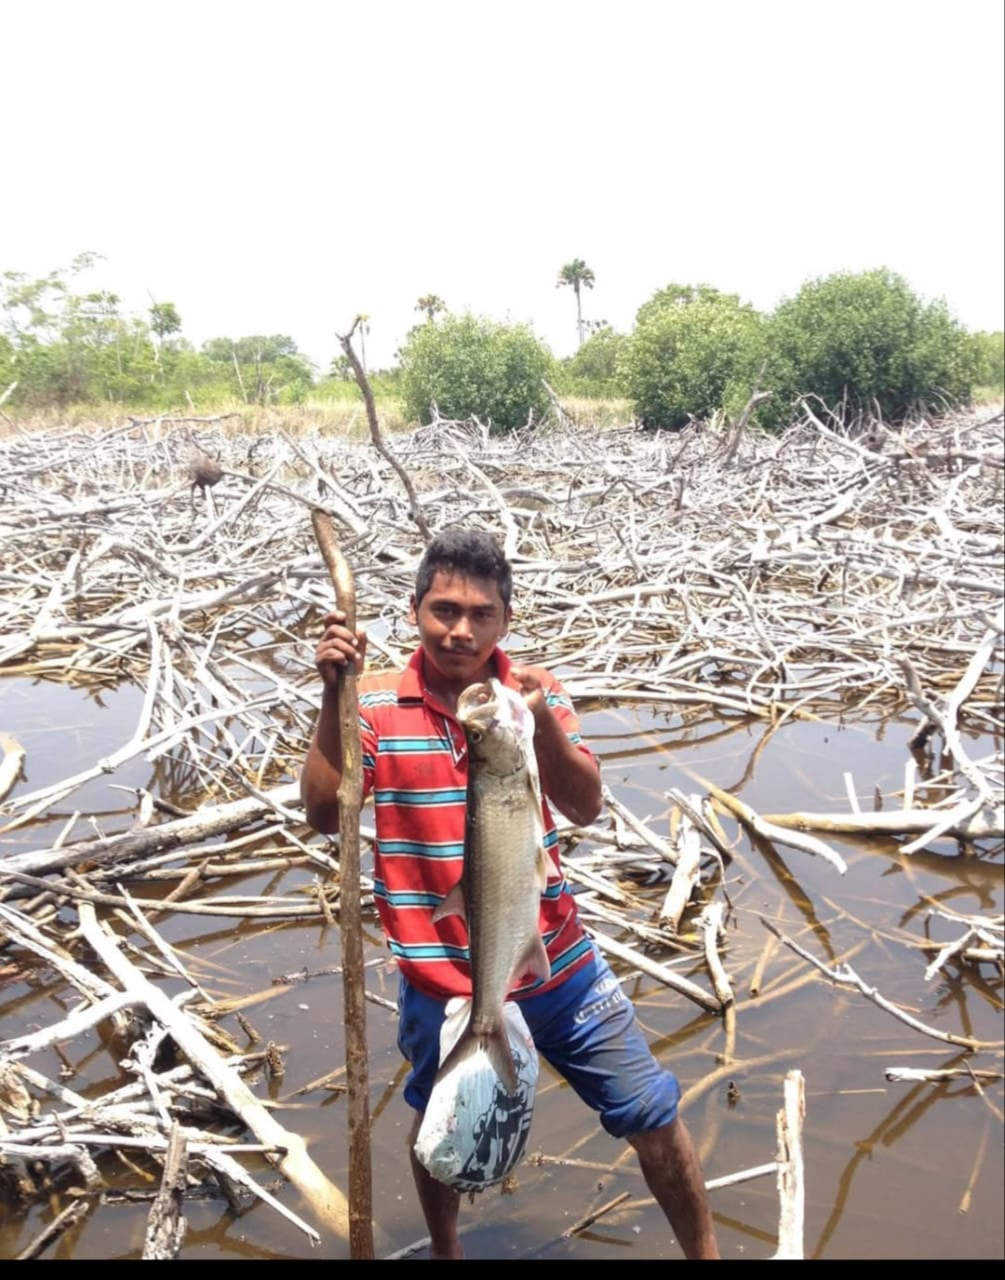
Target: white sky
(279,168)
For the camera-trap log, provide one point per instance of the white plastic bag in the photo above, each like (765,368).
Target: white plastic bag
(474,1132)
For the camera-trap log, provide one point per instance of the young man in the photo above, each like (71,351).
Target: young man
(415,763)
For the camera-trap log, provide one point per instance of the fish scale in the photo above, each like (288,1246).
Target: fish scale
(505,867)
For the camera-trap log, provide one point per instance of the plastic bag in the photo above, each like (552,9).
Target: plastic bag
(474,1132)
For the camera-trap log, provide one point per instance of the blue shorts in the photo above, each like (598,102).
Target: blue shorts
(585,1028)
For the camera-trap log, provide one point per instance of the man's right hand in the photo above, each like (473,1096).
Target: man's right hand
(337,647)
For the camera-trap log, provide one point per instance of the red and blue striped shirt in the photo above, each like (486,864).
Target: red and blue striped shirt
(416,766)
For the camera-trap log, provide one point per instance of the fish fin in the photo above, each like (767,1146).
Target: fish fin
(453,904)
(534,960)
(545,869)
(497,1048)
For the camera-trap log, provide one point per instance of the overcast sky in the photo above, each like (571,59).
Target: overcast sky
(279,168)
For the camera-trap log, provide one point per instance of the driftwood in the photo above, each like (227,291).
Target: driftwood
(791,1188)
(846,975)
(687,872)
(326,1201)
(166,1224)
(10,763)
(63,1220)
(767,830)
(895,822)
(660,972)
(910,1075)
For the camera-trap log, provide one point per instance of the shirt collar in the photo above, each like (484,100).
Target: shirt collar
(411,687)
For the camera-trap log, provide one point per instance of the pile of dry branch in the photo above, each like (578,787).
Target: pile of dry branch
(811,574)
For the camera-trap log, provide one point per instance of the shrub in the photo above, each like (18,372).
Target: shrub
(679,295)
(867,340)
(593,370)
(990,348)
(693,351)
(470,366)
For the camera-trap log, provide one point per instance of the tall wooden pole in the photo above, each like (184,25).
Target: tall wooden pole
(350,796)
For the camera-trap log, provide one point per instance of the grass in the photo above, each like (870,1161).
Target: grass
(313,417)
(337,412)
(595,412)
(341,415)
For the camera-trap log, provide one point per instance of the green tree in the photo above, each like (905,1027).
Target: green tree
(681,295)
(593,370)
(164,320)
(432,304)
(267,369)
(8,356)
(867,340)
(35,306)
(474,367)
(36,314)
(101,354)
(690,355)
(577,276)
(990,356)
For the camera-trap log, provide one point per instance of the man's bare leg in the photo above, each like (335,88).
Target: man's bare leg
(673,1173)
(440,1204)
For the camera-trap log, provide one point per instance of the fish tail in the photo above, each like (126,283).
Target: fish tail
(495,1043)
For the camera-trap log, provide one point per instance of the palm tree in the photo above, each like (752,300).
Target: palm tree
(431,303)
(576,273)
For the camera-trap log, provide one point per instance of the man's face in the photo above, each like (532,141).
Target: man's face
(460,621)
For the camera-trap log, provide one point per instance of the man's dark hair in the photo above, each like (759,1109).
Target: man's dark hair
(469,552)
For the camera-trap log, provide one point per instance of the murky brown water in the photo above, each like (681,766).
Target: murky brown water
(889,1167)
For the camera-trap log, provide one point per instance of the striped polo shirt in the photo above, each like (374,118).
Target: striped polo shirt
(416,765)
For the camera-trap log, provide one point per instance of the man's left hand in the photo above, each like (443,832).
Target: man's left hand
(531,688)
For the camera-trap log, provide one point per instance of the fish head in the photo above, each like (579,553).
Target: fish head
(498,725)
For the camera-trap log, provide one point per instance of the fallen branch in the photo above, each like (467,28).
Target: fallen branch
(10,764)
(66,1218)
(895,822)
(166,1225)
(687,872)
(846,976)
(767,830)
(910,1075)
(212,821)
(791,1190)
(326,1201)
(657,971)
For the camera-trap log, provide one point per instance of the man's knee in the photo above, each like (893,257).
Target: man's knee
(661,1144)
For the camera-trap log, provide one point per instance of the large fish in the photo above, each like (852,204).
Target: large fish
(505,867)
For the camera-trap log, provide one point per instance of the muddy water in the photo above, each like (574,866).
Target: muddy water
(892,1170)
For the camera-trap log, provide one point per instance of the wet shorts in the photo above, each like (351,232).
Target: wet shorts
(585,1028)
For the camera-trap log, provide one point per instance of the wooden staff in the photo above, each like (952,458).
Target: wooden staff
(350,796)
